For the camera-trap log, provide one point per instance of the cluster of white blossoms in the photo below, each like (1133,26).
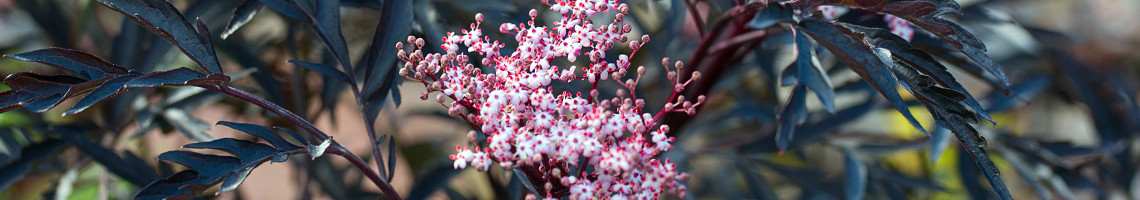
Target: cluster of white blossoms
(584,147)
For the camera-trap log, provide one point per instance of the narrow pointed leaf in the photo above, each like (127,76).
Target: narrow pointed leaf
(207,165)
(242,15)
(232,181)
(108,89)
(296,136)
(164,19)
(85,65)
(792,115)
(861,59)
(811,74)
(180,76)
(262,132)
(380,69)
(948,110)
(240,148)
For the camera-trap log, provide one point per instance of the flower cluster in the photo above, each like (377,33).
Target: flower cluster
(556,136)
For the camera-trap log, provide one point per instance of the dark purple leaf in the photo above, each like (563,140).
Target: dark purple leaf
(296,136)
(38,93)
(263,133)
(163,19)
(245,150)
(380,66)
(208,166)
(920,60)
(855,176)
(859,58)
(180,76)
(242,14)
(927,15)
(15,170)
(809,73)
(793,114)
(109,88)
(181,185)
(85,65)
(948,110)
(130,169)
(326,23)
(323,69)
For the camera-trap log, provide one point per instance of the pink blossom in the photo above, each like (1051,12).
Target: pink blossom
(532,126)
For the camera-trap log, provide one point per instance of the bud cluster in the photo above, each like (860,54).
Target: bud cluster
(530,125)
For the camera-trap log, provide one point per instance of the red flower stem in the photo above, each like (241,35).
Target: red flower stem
(335,149)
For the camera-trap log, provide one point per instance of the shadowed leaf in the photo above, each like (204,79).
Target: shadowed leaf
(163,19)
(859,58)
(85,65)
(15,170)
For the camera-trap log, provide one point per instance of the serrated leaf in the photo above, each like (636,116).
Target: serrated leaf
(859,58)
(920,60)
(163,19)
(242,15)
(85,65)
(230,171)
(262,132)
(948,110)
(180,76)
(927,15)
(109,88)
(239,148)
(323,69)
(38,93)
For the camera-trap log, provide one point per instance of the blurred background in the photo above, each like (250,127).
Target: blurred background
(1067,131)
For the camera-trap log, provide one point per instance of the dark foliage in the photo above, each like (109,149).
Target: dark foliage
(759,125)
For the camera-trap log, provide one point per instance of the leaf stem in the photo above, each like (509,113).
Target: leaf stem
(336,148)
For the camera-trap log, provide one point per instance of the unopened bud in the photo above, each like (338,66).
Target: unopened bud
(479,17)
(439,98)
(640,70)
(696,76)
(665,61)
(680,65)
(645,38)
(419,42)
(634,45)
(423,96)
(533,13)
(411,39)
(400,45)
